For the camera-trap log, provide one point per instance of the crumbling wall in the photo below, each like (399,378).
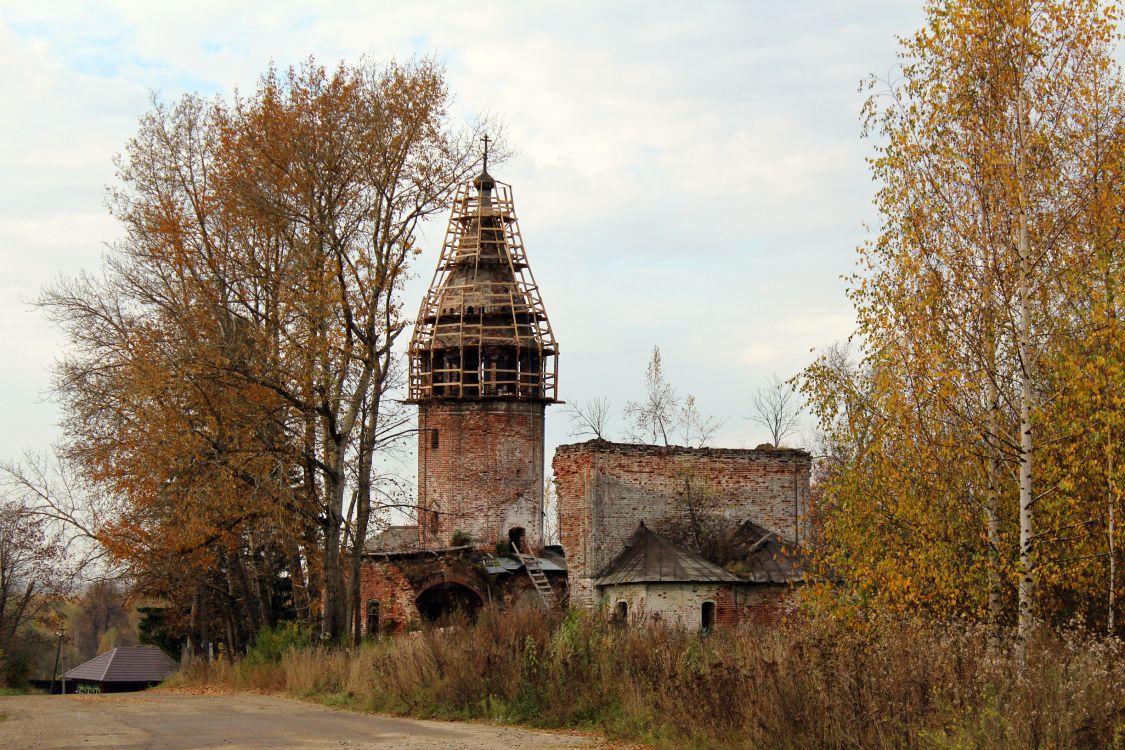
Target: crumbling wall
(605,489)
(480,470)
(396,581)
(383,581)
(766,605)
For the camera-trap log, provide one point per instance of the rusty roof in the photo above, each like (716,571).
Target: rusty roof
(126,664)
(649,557)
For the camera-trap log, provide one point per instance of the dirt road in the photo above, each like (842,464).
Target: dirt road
(172,721)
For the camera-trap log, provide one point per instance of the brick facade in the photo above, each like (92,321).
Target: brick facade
(605,489)
(480,470)
(396,580)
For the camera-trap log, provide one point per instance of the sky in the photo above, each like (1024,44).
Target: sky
(687,175)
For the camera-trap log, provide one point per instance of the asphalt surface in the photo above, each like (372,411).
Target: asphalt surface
(176,721)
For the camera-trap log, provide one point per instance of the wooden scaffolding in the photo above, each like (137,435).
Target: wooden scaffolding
(482,330)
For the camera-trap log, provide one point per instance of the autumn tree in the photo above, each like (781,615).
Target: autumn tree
(990,147)
(230,365)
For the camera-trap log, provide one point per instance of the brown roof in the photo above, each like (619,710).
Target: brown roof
(762,556)
(126,664)
(649,557)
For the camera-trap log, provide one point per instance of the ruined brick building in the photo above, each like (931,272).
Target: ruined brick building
(635,521)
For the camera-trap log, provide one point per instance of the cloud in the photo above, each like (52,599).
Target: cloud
(686,176)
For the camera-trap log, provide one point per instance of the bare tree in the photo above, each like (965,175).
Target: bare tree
(589,418)
(663,415)
(696,428)
(33,569)
(654,419)
(551,530)
(777,408)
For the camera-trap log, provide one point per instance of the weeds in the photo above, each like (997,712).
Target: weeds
(805,685)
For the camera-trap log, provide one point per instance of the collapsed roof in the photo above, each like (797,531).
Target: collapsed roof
(750,554)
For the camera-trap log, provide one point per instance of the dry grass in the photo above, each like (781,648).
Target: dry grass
(807,685)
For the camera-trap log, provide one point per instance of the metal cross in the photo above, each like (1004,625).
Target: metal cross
(485,139)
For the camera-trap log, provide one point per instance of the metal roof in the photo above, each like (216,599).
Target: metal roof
(126,664)
(547,563)
(649,557)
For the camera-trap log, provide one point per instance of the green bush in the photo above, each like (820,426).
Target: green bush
(272,644)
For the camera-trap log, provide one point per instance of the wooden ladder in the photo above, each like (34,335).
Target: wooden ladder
(538,577)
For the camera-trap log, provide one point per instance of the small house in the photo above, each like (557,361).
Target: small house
(655,580)
(123,669)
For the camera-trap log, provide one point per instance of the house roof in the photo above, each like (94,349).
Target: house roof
(126,664)
(649,557)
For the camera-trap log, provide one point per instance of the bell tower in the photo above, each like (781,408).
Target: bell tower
(483,367)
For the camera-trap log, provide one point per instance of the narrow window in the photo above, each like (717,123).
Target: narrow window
(708,615)
(372,617)
(434,439)
(621,613)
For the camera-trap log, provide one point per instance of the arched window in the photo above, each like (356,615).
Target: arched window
(708,615)
(372,618)
(621,613)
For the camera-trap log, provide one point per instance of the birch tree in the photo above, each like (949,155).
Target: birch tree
(989,143)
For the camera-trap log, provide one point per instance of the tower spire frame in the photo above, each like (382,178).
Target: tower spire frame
(482,331)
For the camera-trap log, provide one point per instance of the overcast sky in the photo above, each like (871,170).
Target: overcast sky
(688,175)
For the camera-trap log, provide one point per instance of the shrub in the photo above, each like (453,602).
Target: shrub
(272,644)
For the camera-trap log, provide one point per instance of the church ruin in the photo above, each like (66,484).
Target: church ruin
(636,521)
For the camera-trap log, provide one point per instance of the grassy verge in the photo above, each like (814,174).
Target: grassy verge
(807,685)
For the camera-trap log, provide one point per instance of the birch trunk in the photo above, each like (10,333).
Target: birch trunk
(992,505)
(1111,532)
(1026,396)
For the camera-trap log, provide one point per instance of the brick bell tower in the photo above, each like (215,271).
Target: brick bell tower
(483,367)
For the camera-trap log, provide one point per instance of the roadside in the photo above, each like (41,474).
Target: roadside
(241,721)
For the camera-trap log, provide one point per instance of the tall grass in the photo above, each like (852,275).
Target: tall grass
(805,685)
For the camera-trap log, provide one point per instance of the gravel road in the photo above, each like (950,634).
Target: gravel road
(177,721)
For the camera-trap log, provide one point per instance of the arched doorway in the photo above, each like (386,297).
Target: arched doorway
(444,599)
(516,537)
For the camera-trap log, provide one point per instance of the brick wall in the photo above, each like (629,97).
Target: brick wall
(485,475)
(605,489)
(384,582)
(767,605)
(395,581)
